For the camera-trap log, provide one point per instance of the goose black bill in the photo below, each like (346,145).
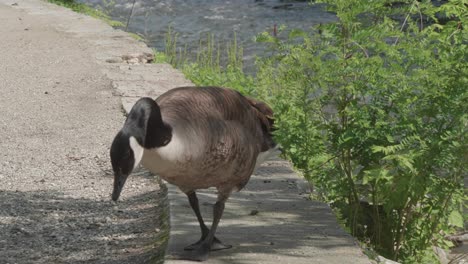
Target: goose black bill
(119,182)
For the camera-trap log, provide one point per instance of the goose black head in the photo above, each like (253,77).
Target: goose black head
(143,128)
(126,154)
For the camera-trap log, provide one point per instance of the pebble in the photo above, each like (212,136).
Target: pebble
(253,212)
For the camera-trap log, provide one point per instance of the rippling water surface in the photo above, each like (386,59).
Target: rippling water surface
(194,19)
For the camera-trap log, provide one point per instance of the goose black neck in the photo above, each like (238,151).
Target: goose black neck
(144,122)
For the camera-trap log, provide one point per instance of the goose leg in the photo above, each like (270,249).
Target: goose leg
(216,244)
(193,200)
(202,251)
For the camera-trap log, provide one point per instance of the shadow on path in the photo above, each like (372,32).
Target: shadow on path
(51,227)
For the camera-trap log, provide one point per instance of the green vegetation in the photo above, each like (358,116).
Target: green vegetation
(372,110)
(208,69)
(374,113)
(136,36)
(85,9)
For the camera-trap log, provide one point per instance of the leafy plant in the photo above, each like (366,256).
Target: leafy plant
(373,110)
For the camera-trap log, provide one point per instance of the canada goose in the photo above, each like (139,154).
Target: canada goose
(195,138)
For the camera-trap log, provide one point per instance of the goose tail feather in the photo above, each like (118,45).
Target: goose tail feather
(265,116)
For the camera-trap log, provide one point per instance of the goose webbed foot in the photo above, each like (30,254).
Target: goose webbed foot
(201,249)
(218,245)
(215,245)
(200,253)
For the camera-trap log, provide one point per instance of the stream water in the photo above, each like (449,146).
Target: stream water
(193,20)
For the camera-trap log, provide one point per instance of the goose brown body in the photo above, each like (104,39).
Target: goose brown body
(195,138)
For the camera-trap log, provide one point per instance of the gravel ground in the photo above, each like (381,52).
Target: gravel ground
(58,118)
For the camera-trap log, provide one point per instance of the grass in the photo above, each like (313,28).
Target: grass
(215,64)
(160,57)
(135,36)
(87,10)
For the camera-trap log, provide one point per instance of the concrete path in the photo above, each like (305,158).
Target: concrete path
(270,221)
(61,76)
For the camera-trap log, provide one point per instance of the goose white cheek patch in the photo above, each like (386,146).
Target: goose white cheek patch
(173,150)
(137,151)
